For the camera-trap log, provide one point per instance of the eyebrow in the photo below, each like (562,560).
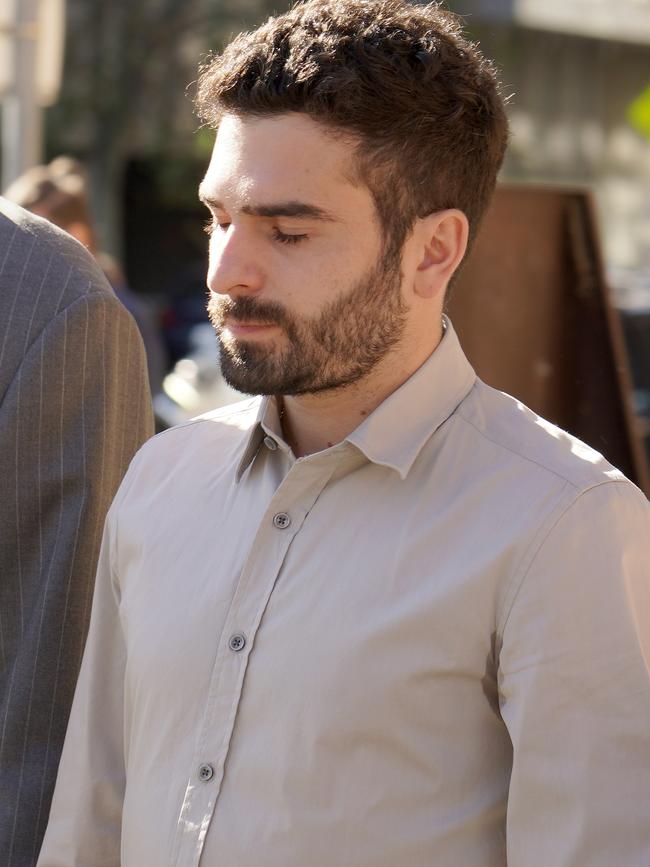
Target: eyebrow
(276,209)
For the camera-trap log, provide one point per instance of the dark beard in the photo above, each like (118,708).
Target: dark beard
(343,344)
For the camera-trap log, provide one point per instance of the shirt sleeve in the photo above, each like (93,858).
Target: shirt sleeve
(575,689)
(86,814)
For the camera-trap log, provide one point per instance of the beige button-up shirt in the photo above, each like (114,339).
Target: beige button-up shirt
(426,645)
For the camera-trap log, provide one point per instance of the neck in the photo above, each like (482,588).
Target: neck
(314,422)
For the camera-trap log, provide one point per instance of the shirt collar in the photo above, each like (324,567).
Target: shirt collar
(255,437)
(395,433)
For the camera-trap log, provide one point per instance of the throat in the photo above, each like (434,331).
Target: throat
(310,424)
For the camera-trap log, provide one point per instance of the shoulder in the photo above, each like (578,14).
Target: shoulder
(512,434)
(52,289)
(234,420)
(41,263)
(203,447)
(573,522)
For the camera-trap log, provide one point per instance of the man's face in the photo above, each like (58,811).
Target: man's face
(301,295)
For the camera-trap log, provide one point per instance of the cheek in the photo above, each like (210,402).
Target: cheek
(317,280)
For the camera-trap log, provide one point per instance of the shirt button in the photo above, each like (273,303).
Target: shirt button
(270,443)
(281,520)
(206,772)
(237,642)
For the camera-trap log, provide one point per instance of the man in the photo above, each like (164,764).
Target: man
(384,615)
(74,408)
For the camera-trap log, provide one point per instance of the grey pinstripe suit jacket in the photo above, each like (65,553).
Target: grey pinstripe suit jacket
(74,407)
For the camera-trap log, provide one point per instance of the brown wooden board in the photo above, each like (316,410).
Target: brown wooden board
(533,312)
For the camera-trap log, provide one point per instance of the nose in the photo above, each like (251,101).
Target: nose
(234,267)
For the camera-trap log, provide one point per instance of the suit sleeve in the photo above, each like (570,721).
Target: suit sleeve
(74,415)
(575,689)
(86,814)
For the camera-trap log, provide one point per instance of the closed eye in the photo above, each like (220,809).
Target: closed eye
(282,238)
(211,225)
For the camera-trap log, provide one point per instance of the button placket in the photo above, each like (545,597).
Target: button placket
(253,592)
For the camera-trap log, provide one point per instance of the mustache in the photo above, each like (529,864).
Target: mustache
(246,309)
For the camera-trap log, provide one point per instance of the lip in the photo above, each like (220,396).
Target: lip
(247,329)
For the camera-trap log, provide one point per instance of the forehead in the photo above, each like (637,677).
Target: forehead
(285,157)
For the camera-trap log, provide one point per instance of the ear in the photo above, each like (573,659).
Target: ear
(443,242)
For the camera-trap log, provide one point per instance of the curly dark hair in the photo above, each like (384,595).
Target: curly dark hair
(421,103)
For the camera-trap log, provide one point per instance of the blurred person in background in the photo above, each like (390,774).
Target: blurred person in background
(381,614)
(59,193)
(74,408)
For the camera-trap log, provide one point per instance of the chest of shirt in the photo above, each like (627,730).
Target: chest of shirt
(361,579)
